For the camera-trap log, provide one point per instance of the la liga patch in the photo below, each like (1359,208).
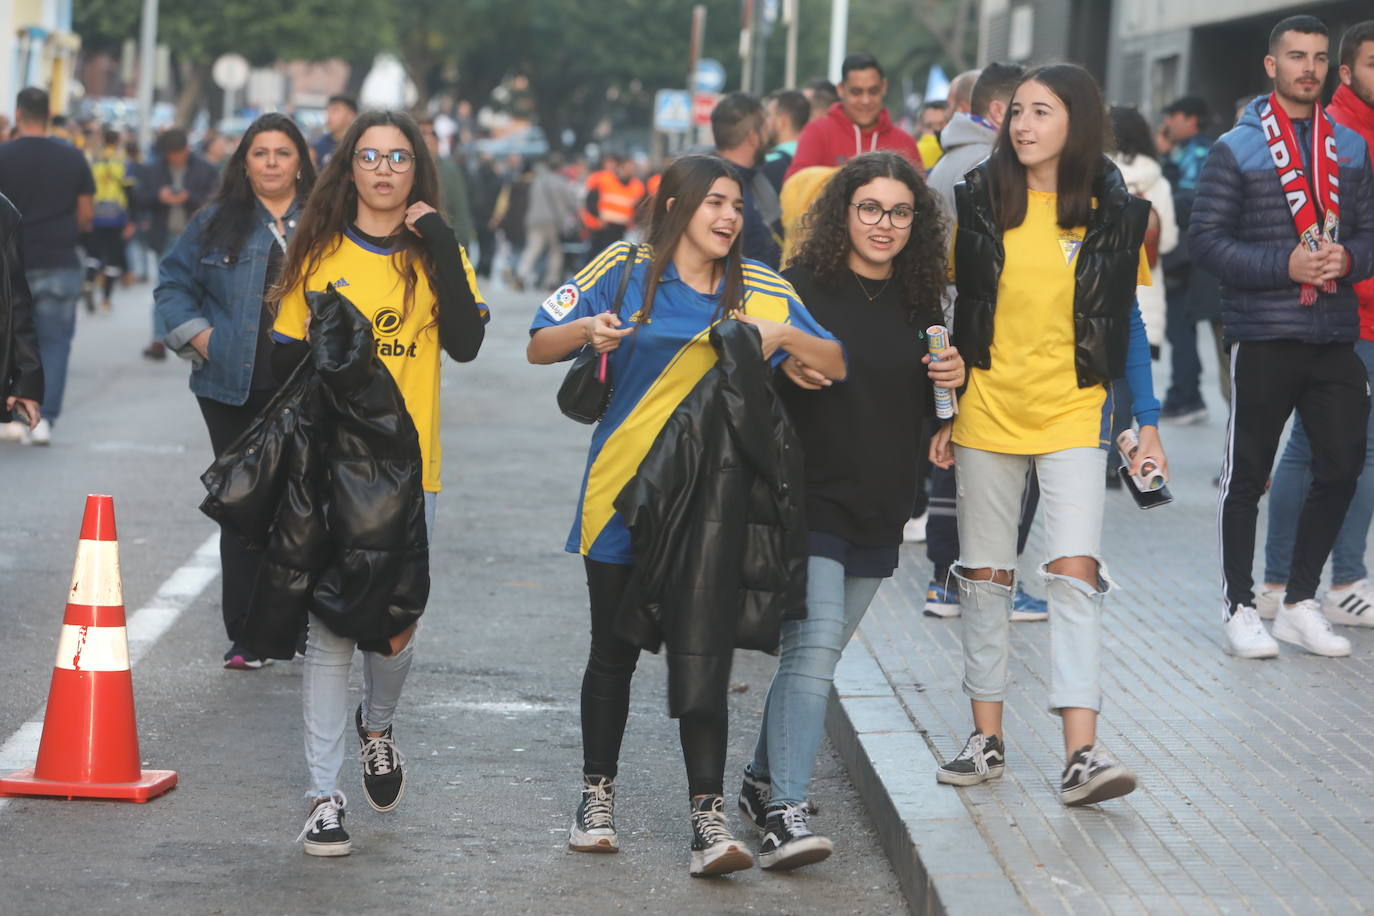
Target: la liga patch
(562,301)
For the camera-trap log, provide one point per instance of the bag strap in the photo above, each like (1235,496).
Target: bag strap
(624,280)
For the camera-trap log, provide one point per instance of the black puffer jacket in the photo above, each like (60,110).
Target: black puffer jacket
(716,518)
(1104,274)
(327,481)
(21,372)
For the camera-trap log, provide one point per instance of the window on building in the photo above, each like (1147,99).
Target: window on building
(1164,86)
(1021,42)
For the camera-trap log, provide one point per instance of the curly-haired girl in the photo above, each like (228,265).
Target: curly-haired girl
(872,271)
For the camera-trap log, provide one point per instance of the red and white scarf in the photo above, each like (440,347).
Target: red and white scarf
(1319,219)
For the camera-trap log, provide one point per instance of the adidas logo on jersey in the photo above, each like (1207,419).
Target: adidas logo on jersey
(340,283)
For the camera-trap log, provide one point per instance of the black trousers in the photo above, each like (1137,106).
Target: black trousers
(238,564)
(1329,387)
(606,695)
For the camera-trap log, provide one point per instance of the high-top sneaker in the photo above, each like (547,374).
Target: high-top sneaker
(1094,775)
(323,833)
(715,851)
(593,828)
(788,841)
(982,758)
(384,781)
(754,795)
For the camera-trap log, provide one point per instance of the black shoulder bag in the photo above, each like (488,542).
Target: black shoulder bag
(586,389)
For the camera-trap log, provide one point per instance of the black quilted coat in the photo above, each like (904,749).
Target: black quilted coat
(327,482)
(717,522)
(1104,274)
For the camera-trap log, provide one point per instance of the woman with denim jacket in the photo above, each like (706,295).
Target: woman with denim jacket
(211,294)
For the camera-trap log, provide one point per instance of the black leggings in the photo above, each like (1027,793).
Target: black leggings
(606,695)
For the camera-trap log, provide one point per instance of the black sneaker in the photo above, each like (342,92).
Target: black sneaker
(788,841)
(593,827)
(384,781)
(982,758)
(240,659)
(715,851)
(1094,775)
(754,794)
(324,834)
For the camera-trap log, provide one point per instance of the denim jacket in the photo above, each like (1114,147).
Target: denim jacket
(217,290)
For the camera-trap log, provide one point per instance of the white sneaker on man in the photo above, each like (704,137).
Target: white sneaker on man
(41,434)
(914,531)
(13,431)
(1268,601)
(1352,606)
(1246,636)
(1305,625)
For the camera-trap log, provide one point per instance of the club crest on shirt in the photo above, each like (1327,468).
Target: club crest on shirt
(562,301)
(1069,243)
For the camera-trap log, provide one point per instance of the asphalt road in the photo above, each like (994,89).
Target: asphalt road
(488,723)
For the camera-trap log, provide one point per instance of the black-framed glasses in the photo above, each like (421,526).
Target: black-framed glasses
(871,214)
(369,159)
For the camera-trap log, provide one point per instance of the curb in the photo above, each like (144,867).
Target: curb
(943,862)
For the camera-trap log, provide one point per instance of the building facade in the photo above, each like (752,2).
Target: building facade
(1148,52)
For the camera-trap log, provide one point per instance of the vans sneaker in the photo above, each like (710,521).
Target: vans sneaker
(324,834)
(1094,775)
(240,659)
(593,828)
(754,795)
(942,598)
(1027,607)
(1246,636)
(384,780)
(1352,606)
(1268,601)
(1305,625)
(982,758)
(788,841)
(715,851)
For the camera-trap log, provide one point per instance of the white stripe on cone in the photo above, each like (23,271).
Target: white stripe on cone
(93,649)
(95,577)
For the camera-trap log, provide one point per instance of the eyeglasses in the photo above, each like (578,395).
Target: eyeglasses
(369,159)
(870,214)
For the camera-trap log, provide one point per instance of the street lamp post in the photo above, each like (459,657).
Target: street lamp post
(839,36)
(147,72)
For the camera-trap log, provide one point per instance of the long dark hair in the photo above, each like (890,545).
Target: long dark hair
(235,203)
(1079,163)
(919,266)
(333,206)
(1131,136)
(686,182)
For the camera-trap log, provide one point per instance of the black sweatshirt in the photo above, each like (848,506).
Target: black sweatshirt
(861,435)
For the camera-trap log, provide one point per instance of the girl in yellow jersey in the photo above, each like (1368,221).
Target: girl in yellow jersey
(1048,254)
(370,231)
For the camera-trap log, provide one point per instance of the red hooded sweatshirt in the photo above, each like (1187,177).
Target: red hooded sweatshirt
(833,139)
(1347,109)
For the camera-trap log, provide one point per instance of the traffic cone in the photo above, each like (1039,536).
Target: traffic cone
(89,747)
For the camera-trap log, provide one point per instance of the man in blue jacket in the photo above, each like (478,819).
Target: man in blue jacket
(1269,224)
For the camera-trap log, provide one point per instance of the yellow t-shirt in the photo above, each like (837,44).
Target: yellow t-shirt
(407,343)
(1029,402)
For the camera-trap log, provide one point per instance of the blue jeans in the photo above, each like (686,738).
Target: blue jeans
(1288,494)
(324,692)
(56,291)
(794,713)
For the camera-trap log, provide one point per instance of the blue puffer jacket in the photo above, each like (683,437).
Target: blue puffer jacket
(1242,232)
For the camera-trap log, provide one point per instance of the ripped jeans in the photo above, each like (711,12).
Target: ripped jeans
(990,486)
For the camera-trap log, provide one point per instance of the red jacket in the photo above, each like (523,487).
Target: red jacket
(1347,109)
(831,140)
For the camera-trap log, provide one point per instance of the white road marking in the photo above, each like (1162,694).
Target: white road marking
(146,626)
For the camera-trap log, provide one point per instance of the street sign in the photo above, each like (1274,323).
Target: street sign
(672,111)
(230,72)
(709,76)
(703,103)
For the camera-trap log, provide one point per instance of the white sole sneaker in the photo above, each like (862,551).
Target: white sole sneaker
(1267,603)
(1349,607)
(1112,782)
(803,851)
(948,778)
(579,841)
(1251,651)
(1338,648)
(720,859)
(328,849)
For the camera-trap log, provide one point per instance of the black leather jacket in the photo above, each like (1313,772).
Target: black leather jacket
(21,372)
(717,522)
(1104,274)
(327,482)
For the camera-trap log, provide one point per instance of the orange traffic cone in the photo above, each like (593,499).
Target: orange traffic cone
(89,747)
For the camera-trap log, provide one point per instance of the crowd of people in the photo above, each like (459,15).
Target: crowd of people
(766,329)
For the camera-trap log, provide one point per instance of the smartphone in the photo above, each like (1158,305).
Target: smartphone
(1145,499)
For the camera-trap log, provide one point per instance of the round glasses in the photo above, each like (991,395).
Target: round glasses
(870,214)
(369,159)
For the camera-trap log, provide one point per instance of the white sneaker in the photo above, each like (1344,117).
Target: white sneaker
(1268,601)
(1246,637)
(1352,606)
(914,531)
(40,434)
(13,431)
(1304,625)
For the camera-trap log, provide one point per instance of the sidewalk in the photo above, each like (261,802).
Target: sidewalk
(1256,777)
